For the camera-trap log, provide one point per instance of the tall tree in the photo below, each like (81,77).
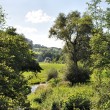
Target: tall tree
(100,46)
(100,14)
(13,89)
(97,13)
(11,31)
(15,56)
(100,40)
(75,31)
(16,49)
(107,18)
(2,17)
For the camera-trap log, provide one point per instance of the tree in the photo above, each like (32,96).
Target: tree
(2,17)
(100,46)
(75,31)
(97,13)
(100,49)
(15,56)
(13,89)
(107,19)
(11,31)
(16,52)
(100,40)
(100,16)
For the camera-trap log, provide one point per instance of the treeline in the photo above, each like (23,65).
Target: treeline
(48,54)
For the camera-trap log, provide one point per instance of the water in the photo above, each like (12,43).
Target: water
(34,87)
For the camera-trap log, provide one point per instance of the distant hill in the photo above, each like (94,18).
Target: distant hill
(38,46)
(43,53)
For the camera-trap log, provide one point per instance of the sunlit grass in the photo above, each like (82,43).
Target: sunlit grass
(58,94)
(34,78)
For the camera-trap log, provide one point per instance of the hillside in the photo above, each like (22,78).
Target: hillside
(48,54)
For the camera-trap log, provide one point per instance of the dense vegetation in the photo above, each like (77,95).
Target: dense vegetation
(16,56)
(81,83)
(46,54)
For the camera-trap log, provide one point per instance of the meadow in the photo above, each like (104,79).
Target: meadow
(59,94)
(42,77)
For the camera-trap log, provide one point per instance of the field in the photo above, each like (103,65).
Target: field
(58,94)
(42,77)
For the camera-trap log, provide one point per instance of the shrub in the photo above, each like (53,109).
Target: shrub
(82,76)
(54,82)
(55,106)
(77,102)
(44,92)
(52,73)
(100,82)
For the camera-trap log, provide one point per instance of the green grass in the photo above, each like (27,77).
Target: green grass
(62,93)
(58,94)
(42,77)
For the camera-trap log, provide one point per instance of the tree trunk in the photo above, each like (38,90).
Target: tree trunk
(74,57)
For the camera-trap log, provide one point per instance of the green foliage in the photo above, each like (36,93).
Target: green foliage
(42,77)
(100,16)
(54,81)
(100,57)
(43,95)
(74,30)
(54,54)
(100,82)
(3,103)
(2,17)
(11,31)
(107,19)
(82,76)
(39,97)
(52,73)
(97,13)
(16,49)
(55,106)
(77,102)
(12,87)
(15,56)
(100,44)
(58,96)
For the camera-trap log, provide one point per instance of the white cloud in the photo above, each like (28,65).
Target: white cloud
(37,16)
(38,38)
(44,40)
(25,30)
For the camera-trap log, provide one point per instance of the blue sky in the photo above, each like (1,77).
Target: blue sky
(34,18)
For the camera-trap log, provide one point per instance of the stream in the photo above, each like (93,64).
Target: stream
(34,87)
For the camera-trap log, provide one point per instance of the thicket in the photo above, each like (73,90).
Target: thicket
(52,73)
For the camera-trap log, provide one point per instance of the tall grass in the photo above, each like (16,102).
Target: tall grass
(58,95)
(35,78)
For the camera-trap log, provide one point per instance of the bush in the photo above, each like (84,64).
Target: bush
(54,82)
(77,102)
(100,81)
(82,76)
(55,106)
(52,73)
(43,94)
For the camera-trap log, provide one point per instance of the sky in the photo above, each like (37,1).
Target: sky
(34,18)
